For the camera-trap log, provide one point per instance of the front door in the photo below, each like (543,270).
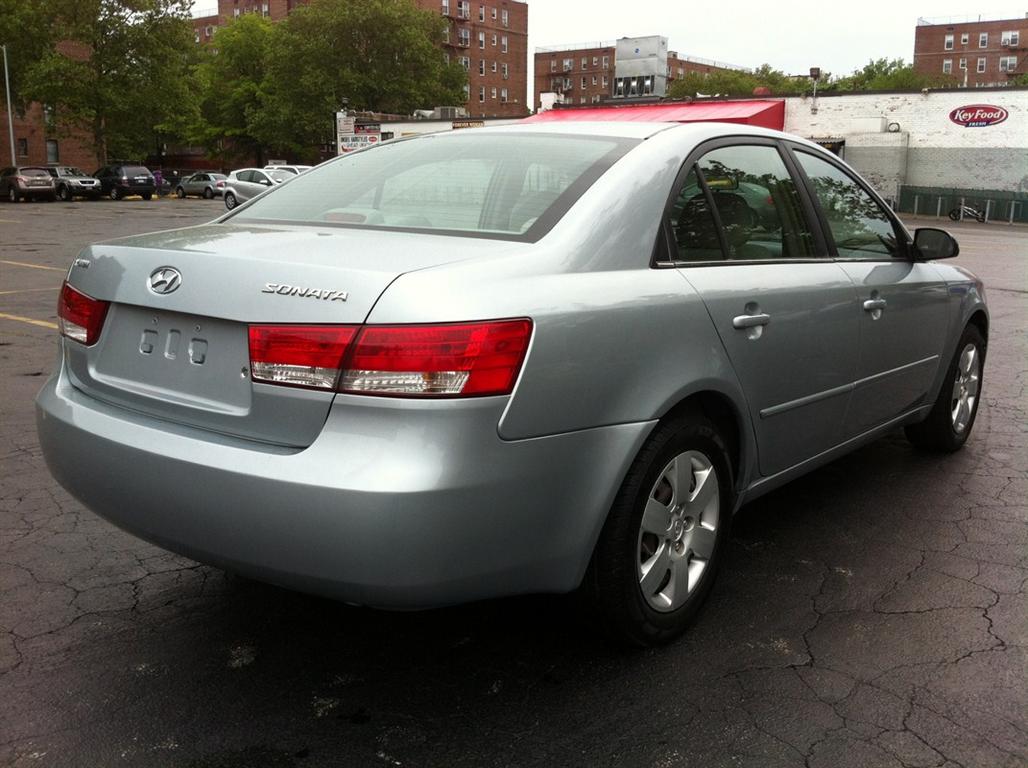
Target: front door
(903,302)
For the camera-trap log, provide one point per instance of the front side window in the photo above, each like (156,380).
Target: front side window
(758,208)
(516,188)
(859,225)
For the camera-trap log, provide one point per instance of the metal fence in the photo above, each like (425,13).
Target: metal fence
(996,205)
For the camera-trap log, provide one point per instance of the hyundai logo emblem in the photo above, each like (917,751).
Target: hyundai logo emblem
(164,280)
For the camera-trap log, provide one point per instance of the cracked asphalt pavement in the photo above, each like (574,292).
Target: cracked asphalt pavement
(870,614)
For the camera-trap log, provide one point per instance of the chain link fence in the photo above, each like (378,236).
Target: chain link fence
(995,205)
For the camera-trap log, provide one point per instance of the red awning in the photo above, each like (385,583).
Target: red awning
(769,113)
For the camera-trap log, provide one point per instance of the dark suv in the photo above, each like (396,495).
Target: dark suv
(117,181)
(26,182)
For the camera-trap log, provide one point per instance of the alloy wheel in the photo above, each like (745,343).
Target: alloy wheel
(965,388)
(678,530)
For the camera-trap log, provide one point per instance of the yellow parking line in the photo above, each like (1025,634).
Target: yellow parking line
(29,320)
(31,266)
(10,221)
(30,290)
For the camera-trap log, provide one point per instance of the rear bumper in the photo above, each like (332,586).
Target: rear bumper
(396,504)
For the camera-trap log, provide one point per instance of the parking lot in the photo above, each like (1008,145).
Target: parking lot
(873,613)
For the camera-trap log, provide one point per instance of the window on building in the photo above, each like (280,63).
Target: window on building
(585,81)
(585,62)
(53,151)
(23,147)
(463,9)
(264,9)
(594,79)
(553,65)
(581,99)
(503,95)
(492,92)
(962,64)
(569,64)
(983,40)
(493,67)
(481,93)
(481,66)
(198,35)
(605,81)
(506,71)
(596,61)
(464,37)
(1007,63)
(235,12)
(494,40)
(467,92)
(947,43)
(503,43)
(481,39)
(981,64)
(947,66)
(481,13)
(596,99)
(606,62)
(446,7)
(964,38)
(504,18)
(1010,38)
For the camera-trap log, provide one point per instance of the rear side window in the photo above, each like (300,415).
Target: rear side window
(860,227)
(759,216)
(505,186)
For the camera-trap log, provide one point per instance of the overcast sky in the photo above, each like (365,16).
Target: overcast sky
(791,36)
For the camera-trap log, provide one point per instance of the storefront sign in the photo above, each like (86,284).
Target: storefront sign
(978,115)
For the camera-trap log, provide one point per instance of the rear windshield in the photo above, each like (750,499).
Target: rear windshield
(280,175)
(34,172)
(135,170)
(504,186)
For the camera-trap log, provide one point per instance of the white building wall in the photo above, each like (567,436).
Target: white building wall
(928,149)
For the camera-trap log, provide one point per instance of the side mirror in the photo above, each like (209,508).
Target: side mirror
(931,243)
(265,182)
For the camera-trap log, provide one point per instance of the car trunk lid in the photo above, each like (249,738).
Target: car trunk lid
(175,346)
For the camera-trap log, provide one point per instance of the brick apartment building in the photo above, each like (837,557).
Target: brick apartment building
(490,39)
(973,52)
(584,73)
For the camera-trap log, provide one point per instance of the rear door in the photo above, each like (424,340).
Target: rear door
(783,309)
(902,303)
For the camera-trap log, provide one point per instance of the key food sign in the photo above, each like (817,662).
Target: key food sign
(978,115)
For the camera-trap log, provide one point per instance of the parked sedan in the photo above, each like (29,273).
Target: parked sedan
(118,181)
(511,360)
(26,182)
(71,183)
(207,185)
(245,183)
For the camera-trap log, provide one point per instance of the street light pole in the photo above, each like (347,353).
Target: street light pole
(10,109)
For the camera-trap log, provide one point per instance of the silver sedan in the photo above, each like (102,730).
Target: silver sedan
(206,185)
(534,358)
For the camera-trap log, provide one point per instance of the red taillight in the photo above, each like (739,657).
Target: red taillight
(299,355)
(219,184)
(80,317)
(459,359)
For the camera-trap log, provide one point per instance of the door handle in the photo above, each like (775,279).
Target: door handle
(751,321)
(872,304)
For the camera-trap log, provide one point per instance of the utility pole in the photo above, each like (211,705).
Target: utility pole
(10,108)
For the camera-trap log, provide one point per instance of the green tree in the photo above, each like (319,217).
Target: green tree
(230,78)
(379,55)
(737,83)
(121,71)
(26,29)
(889,75)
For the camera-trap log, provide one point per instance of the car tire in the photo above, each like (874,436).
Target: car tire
(980,218)
(230,201)
(955,214)
(208,193)
(64,192)
(180,193)
(951,419)
(148,195)
(661,537)
(12,195)
(115,193)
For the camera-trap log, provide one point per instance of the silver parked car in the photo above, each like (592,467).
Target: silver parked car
(533,358)
(245,183)
(71,183)
(205,184)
